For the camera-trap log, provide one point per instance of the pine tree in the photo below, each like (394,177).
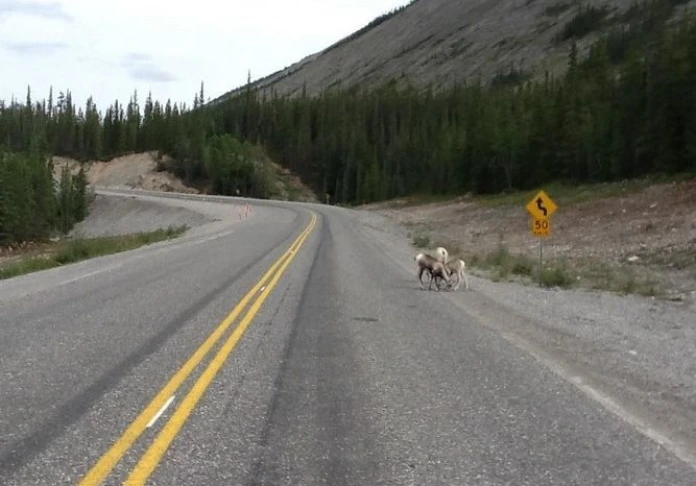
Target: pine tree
(80,204)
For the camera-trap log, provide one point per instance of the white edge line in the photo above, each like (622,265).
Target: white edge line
(87,275)
(678,449)
(161,411)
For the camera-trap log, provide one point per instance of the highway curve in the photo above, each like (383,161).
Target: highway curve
(290,347)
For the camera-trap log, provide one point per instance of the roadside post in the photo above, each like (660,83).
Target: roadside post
(541,207)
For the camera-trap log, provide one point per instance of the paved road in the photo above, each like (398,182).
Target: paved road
(346,374)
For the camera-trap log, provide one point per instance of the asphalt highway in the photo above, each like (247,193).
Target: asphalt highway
(290,347)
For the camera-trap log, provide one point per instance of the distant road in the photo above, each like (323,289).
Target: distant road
(290,347)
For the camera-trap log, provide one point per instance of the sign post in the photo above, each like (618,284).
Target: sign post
(541,207)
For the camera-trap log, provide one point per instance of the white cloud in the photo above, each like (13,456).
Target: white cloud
(110,48)
(50,10)
(35,48)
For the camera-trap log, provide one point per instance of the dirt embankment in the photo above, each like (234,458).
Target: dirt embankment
(647,232)
(135,171)
(112,216)
(141,171)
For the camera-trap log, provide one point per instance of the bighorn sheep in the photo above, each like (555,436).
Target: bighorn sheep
(435,268)
(458,268)
(442,254)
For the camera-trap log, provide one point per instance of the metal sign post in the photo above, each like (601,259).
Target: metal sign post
(541,259)
(541,207)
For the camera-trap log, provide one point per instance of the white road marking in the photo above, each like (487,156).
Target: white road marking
(161,411)
(90,274)
(644,425)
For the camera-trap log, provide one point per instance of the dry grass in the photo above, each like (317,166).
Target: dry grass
(71,251)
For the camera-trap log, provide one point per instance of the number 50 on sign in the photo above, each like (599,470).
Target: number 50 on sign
(541,227)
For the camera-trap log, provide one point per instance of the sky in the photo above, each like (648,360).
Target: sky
(108,49)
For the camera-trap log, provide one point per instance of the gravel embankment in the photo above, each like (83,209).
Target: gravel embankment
(120,215)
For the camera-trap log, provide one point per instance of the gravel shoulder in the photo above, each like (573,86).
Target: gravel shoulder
(635,352)
(112,215)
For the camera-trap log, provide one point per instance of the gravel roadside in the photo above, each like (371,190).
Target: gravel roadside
(635,351)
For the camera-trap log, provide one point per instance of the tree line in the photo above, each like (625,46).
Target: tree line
(624,110)
(34,206)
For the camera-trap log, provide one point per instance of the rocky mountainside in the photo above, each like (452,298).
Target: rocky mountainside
(439,42)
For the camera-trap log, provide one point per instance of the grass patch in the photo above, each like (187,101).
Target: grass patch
(498,258)
(560,273)
(73,251)
(555,276)
(523,266)
(621,280)
(421,241)
(26,266)
(631,284)
(502,265)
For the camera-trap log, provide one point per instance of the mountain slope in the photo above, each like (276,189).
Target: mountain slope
(439,42)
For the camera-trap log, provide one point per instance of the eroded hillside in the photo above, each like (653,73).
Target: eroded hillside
(439,42)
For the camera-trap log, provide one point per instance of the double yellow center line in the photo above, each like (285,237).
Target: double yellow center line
(147,464)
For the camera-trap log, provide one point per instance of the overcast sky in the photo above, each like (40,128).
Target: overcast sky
(109,48)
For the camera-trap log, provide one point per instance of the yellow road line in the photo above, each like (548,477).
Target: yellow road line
(147,464)
(109,460)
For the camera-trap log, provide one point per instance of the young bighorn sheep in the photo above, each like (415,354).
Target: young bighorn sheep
(435,268)
(458,268)
(442,255)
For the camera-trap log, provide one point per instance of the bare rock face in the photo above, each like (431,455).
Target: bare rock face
(436,43)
